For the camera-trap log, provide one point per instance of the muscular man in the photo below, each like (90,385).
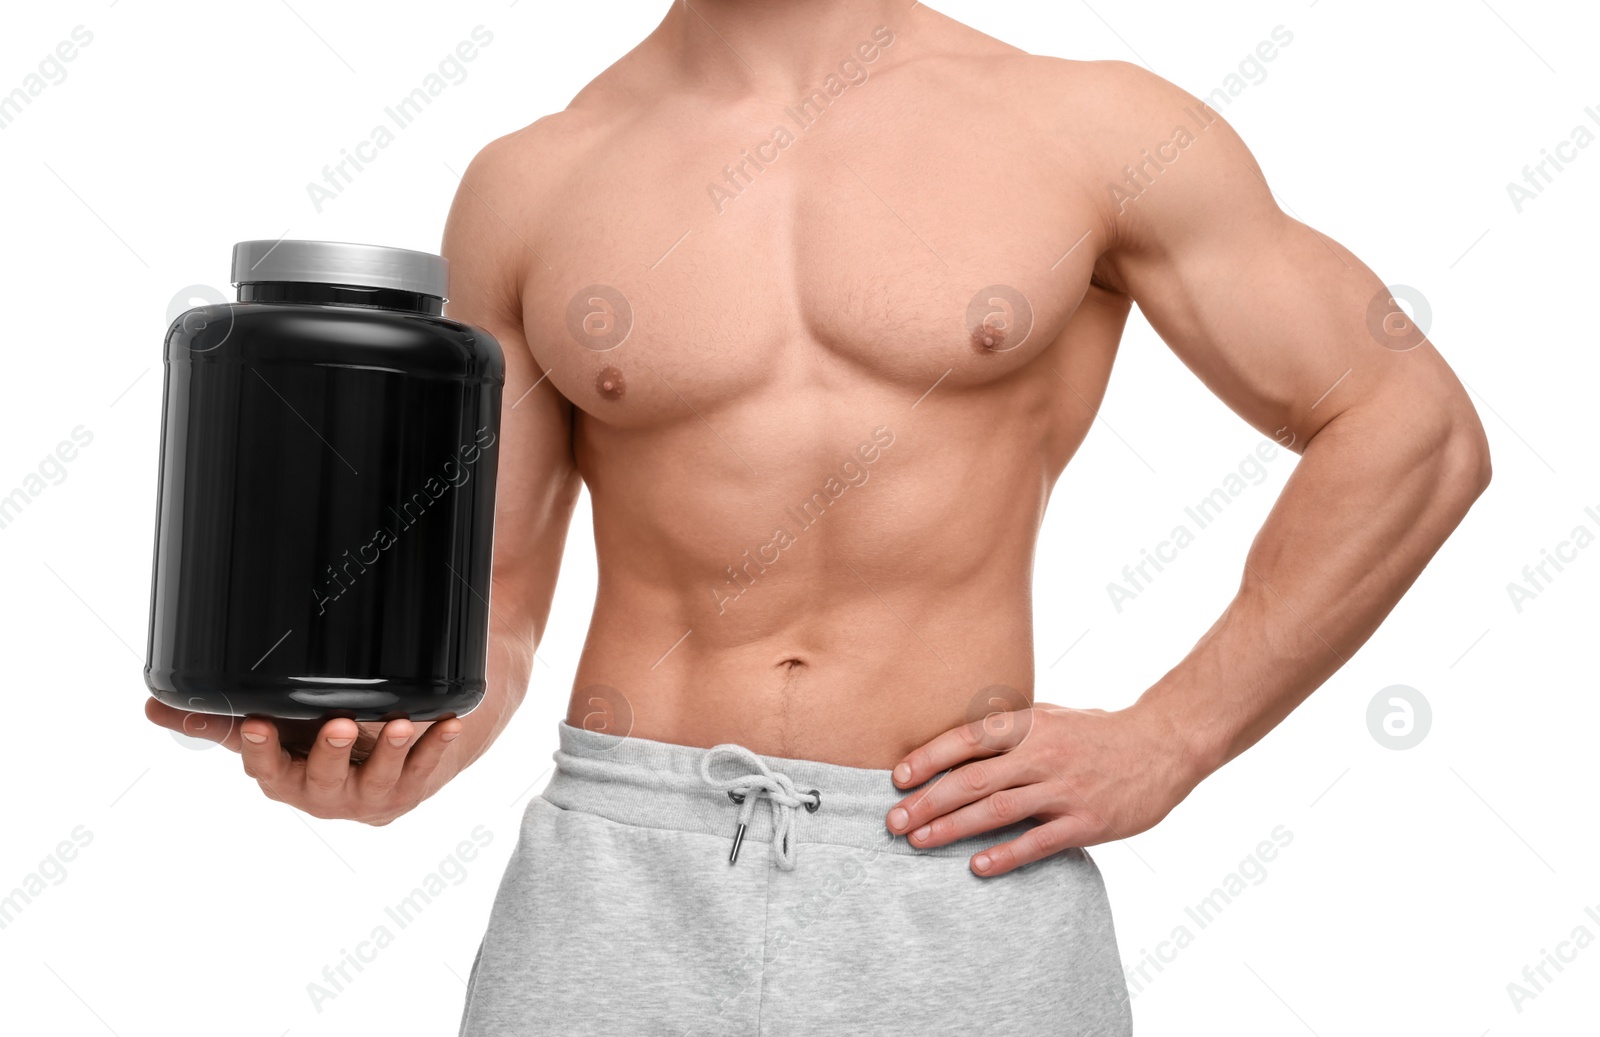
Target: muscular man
(818,299)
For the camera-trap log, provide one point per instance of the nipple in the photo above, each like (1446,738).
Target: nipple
(1000,318)
(986,338)
(609,384)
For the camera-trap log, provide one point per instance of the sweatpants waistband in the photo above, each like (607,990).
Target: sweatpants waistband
(782,802)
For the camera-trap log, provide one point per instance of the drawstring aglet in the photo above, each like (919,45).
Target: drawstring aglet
(738,835)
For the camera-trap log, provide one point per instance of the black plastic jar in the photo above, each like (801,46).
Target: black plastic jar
(325,513)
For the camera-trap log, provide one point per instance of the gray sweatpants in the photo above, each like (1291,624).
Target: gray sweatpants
(620,912)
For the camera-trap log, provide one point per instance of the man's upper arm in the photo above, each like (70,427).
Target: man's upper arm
(538,480)
(1285,325)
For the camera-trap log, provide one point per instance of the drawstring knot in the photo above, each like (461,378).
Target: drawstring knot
(779,790)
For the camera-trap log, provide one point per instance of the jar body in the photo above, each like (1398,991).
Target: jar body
(325,513)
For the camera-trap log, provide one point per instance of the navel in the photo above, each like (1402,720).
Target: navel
(609,383)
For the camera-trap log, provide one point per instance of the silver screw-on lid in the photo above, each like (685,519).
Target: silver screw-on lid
(337,262)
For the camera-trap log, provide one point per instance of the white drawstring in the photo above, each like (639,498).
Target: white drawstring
(779,791)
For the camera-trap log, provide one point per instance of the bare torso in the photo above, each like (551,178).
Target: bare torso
(819,299)
(818,466)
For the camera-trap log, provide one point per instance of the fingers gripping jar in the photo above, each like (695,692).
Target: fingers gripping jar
(325,509)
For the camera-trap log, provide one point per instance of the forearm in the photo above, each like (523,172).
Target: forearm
(522,592)
(1377,491)
(510,665)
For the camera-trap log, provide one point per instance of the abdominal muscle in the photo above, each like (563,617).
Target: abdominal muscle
(832,607)
(823,671)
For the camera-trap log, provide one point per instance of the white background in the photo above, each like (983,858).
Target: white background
(1418,882)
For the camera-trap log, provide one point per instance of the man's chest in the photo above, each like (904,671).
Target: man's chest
(715,266)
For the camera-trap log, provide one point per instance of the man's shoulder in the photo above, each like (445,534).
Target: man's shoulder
(1106,92)
(1088,115)
(505,192)
(538,154)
